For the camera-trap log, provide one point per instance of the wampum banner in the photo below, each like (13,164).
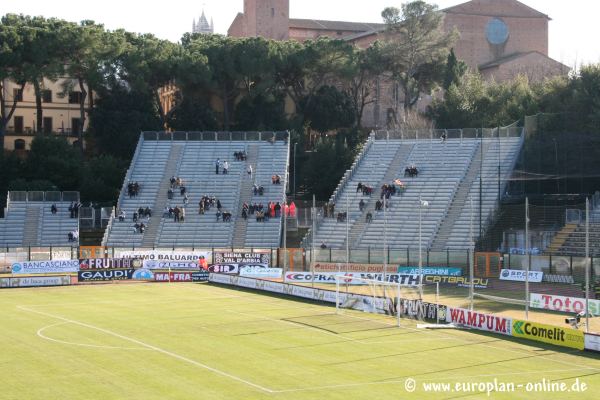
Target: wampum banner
(419,309)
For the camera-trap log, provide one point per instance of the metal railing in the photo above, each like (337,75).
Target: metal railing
(436,134)
(216,136)
(38,196)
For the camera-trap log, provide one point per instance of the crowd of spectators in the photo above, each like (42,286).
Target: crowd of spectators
(133,189)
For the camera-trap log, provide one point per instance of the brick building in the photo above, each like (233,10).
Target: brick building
(499,38)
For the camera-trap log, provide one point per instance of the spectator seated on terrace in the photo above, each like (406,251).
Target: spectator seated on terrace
(401,187)
(258,190)
(133,189)
(73,236)
(74,209)
(276,179)
(122,216)
(240,155)
(170,194)
(366,190)
(341,216)
(411,171)
(139,228)
(369,217)
(226,216)
(53,209)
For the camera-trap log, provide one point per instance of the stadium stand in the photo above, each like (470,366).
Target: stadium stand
(449,175)
(29,221)
(192,157)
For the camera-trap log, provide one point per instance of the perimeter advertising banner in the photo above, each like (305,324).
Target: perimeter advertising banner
(109,263)
(519,275)
(572,305)
(35,281)
(173,276)
(329,277)
(45,267)
(164,255)
(259,272)
(105,275)
(414,308)
(351,267)
(559,336)
(441,271)
(476,320)
(242,259)
(458,281)
(177,265)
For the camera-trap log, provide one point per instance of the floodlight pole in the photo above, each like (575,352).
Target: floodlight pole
(587,264)
(527,257)
(471,256)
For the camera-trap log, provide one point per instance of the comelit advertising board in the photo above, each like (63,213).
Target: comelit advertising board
(45,267)
(565,337)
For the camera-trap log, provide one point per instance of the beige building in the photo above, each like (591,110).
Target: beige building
(499,38)
(61,115)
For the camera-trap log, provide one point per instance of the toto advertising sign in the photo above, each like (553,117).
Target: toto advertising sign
(109,263)
(45,267)
(564,304)
(105,275)
(519,275)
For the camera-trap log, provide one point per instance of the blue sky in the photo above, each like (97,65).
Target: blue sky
(573,30)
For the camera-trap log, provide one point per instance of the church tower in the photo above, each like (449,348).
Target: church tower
(267,18)
(203,26)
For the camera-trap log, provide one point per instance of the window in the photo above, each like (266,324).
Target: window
(47,125)
(19,144)
(18,124)
(18,94)
(74,97)
(75,128)
(272,12)
(47,96)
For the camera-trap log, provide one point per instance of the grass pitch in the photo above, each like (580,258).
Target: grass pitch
(199,341)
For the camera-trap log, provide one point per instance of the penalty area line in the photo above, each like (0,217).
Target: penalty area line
(152,347)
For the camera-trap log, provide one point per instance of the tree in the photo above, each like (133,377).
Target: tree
(90,51)
(362,78)
(455,70)
(12,52)
(416,47)
(53,159)
(329,109)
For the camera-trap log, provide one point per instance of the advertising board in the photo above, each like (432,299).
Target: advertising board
(442,271)
(476,320)
(251,258)
(109,263)
(224,268)
(414,308)
(163,255)
(351,267)
(173,276)
(592,342)
(259,272)
(458,281)
(565,337)
(35,281)
(329,277)
(200,276)
(105,275)
(519,275)
(45,267)
(177,265)
(564,304)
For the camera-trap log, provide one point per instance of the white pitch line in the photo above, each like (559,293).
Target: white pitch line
(40,334)
(155,348)
(396,382)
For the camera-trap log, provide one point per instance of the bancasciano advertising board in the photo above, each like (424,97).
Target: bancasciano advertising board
(559,336)
(45,267)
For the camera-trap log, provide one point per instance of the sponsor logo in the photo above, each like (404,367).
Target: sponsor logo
(592,342)
(330,278)
(45,267)
(154,264)
(143,275)
(224,268)
(160,255)
(420,309)
(37,281)
(520,276)
(564,304)
(442,271)
(252,258)
(260,272)
(200,276)
(105,275)
(109,263)
(460,281)
(475,320)
(173,276)
(337,267)
(565,337)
